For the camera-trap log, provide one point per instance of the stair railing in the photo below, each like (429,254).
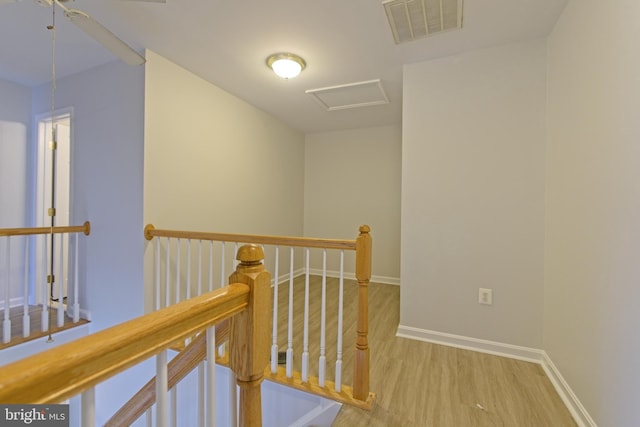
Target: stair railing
(178,272)
(26,258)
(76,368)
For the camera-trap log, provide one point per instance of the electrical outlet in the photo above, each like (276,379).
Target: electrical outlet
(485,296)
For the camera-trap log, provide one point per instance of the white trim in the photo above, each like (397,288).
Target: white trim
(528,354)
(351,276)
(321,415)
(284,278)
(571,401)
(84,313)
(13,302)
(475,344)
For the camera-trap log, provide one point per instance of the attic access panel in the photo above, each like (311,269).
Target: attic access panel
(414,19)
(351,95)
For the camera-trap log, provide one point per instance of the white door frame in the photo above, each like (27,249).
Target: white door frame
(64,175)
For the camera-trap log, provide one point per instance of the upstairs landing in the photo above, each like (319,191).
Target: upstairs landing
(35,314)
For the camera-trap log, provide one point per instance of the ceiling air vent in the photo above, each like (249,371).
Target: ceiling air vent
(413,19)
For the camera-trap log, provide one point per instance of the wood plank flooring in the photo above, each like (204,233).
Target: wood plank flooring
(418,383)
(16,314)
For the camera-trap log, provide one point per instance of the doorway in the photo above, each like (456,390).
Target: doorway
(53,177)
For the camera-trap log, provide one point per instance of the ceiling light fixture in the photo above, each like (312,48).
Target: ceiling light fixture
(286,65)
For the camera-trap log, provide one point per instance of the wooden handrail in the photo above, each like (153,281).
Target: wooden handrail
(65,371)
(306,242)
(84,228)
(363,248)
(179,367)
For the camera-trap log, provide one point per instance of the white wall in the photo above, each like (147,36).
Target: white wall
(106,183)
(15,116)
(591,314)
(352,178)
(473,194)
(214,162)
(107,162)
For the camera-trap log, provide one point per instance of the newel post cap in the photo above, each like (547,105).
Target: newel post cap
(250,254)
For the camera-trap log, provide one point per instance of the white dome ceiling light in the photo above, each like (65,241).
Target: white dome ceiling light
(286,65)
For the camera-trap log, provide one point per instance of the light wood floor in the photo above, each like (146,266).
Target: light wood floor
(421,384)
(16,314)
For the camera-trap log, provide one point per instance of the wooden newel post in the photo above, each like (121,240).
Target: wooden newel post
(250,333)
(363,275)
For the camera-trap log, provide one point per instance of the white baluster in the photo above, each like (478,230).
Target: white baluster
(222,264)
(210,265)
(88,411)
(6,324)
(173,413)
(221,349)
(322,361)
(338,382)
(289,365)
(305,338)
(162,406)
(149,417)
(76,281)
(274,341)
(201,395)
(26,320)
(157,270)
(167,276)
(44,319)
(61,281)
(178,271)
(199,267)
(188,268)
(211,376)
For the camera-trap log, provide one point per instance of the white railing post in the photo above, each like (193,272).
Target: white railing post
(44,319)
(157,273)
(211,378)
(6,324)
(188,268)
(61,282)
(338,382)
(162,383)
(167,276)
(322,361)
(201,393)
(274,343)
(305,337)
(210,265)
(76,282)
(26,320)
(199,267)
(88,410)
(289,366)
(178,271)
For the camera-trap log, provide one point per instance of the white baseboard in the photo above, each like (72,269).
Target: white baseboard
(468,343)
(284,278)
(571,401)
(352,276)
(13,302)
